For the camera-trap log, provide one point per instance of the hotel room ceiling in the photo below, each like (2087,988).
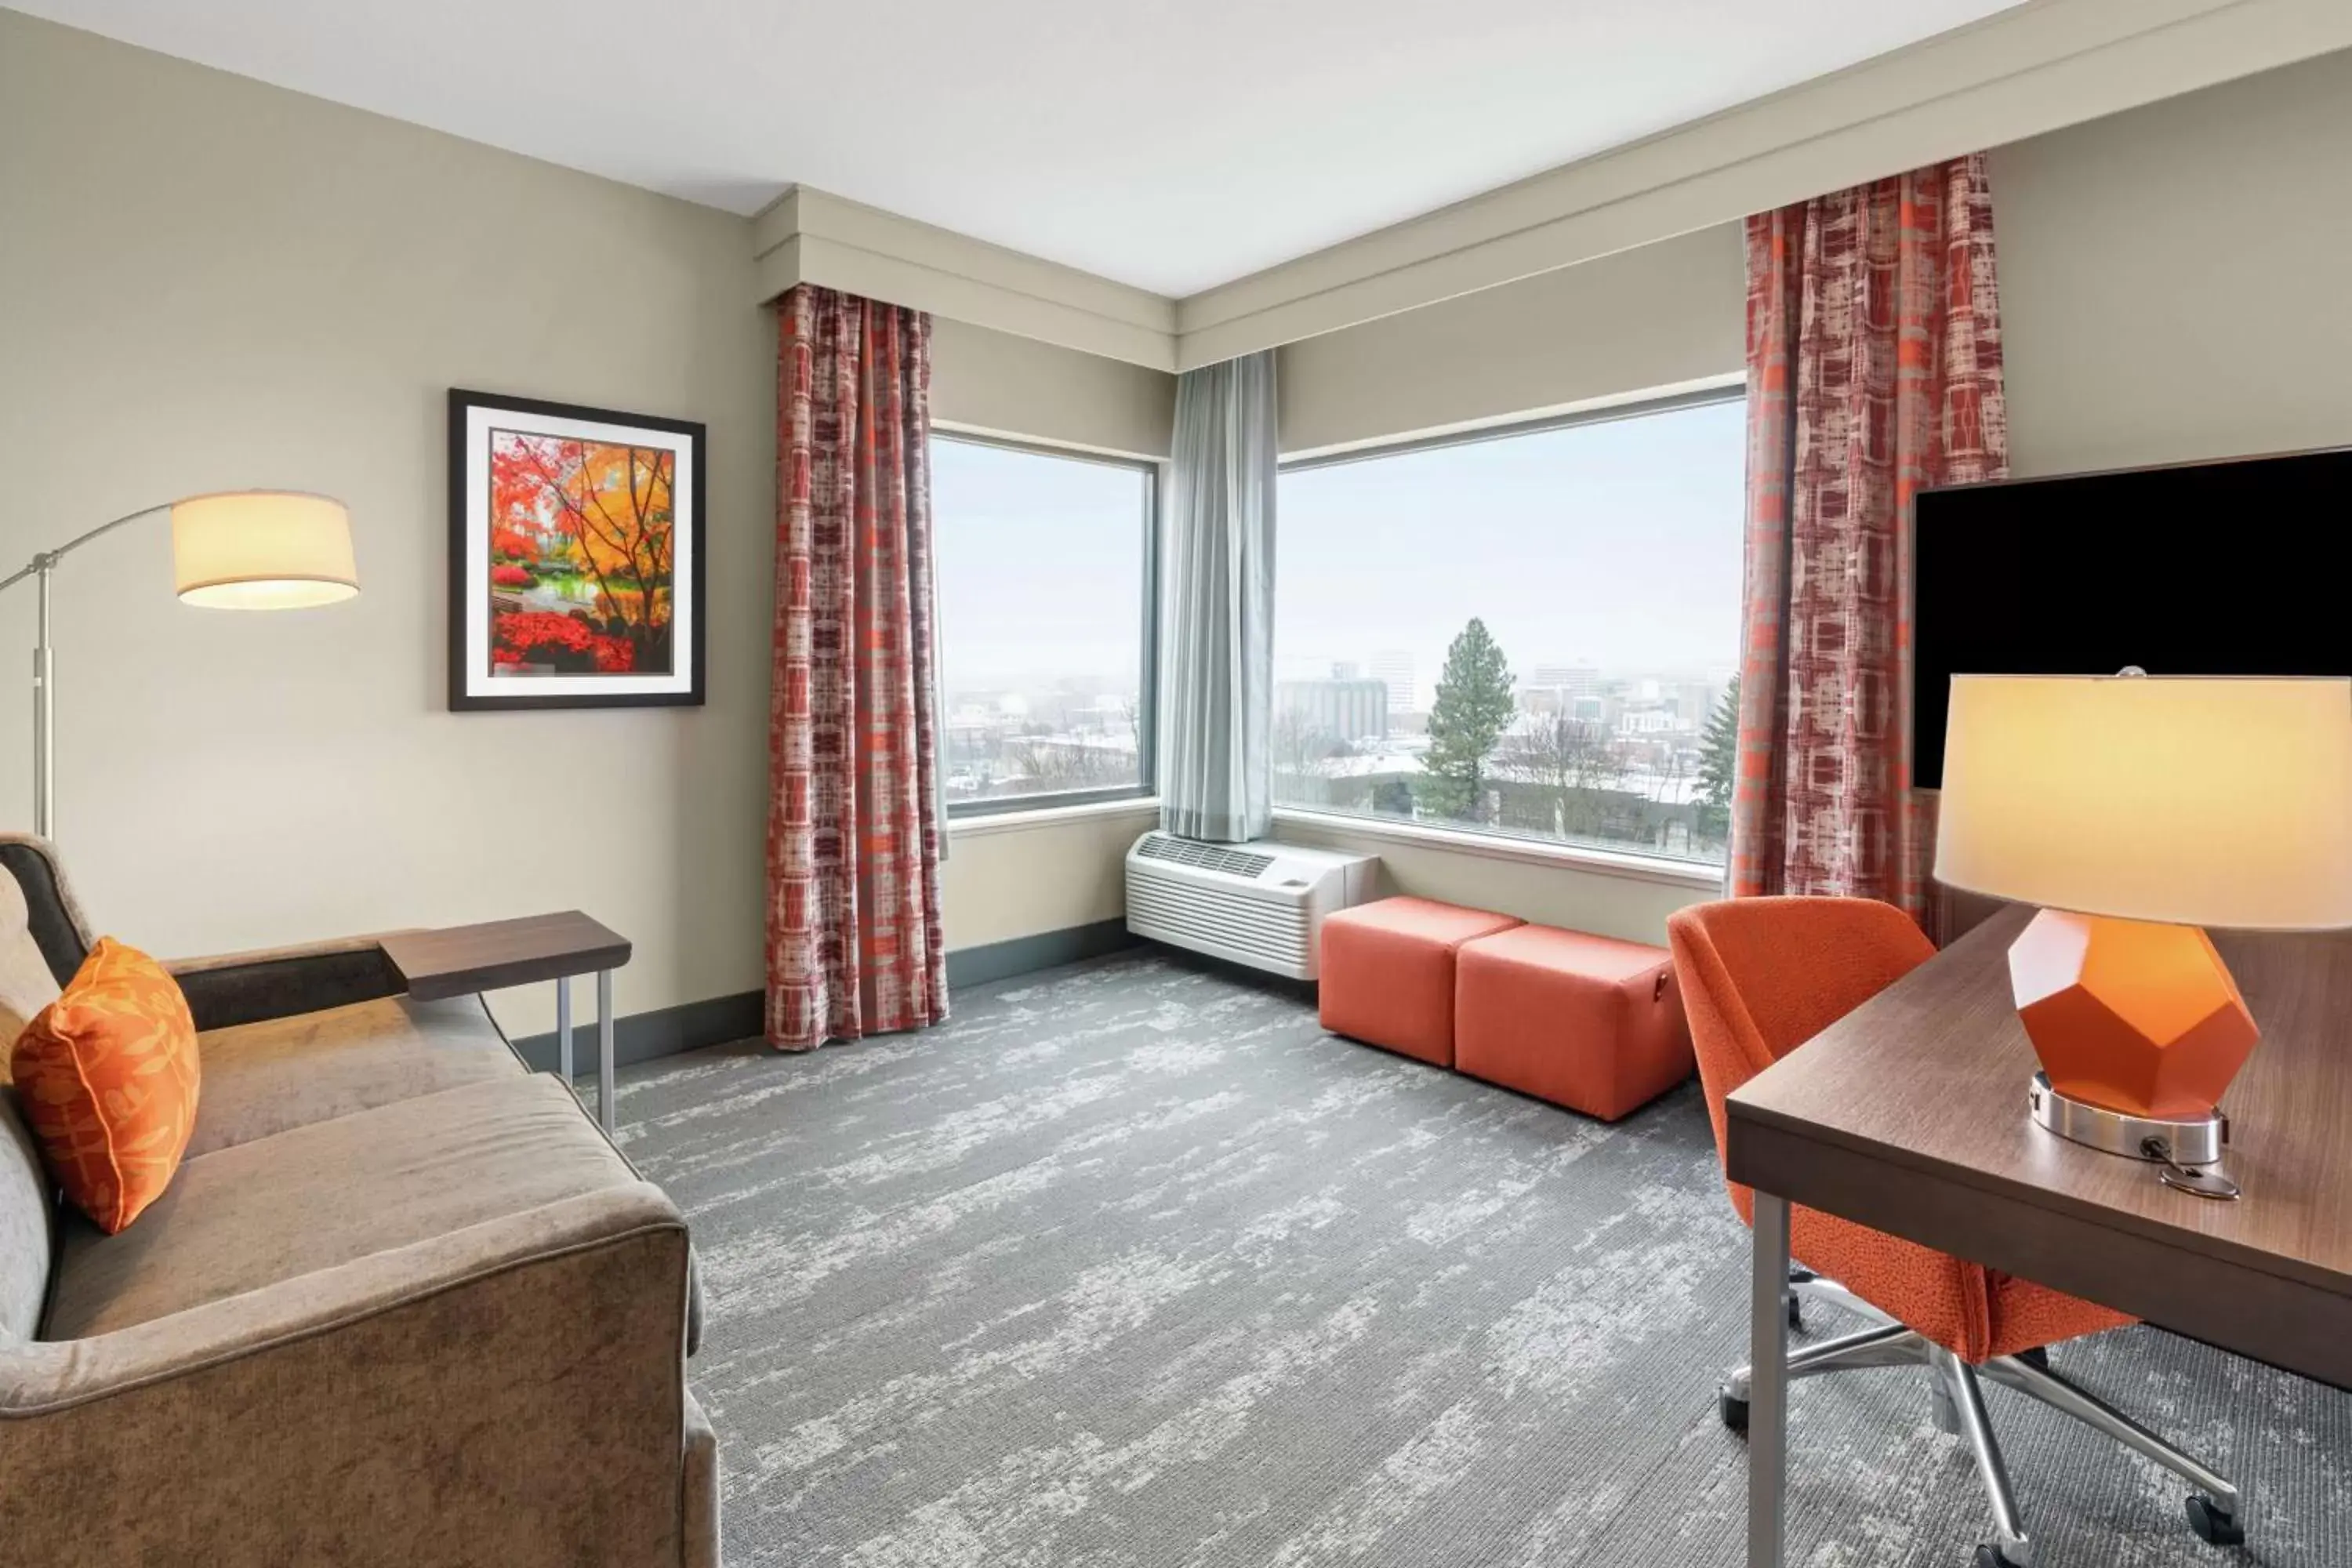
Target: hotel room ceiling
(1170,147)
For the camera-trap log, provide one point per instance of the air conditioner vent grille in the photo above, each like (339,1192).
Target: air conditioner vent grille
(1204,856)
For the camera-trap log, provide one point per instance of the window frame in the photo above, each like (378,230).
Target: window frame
(1147,746)
(1504,843)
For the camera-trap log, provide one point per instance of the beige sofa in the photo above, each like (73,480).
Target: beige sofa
(402,1304)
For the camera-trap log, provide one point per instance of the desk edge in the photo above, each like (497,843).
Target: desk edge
(2050,1200)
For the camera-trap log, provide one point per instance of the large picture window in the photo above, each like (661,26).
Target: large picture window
(1532,633)
(1044,562)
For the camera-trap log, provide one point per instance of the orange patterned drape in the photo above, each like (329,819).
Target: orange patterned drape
(1874,371)
(853,940)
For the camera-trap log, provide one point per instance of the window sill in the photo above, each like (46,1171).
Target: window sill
(1693,875)
(1021,819)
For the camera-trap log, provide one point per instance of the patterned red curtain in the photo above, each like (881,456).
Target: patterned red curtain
(853,940)
(1873,369)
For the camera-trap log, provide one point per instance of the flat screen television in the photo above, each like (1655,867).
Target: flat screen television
(2239,568)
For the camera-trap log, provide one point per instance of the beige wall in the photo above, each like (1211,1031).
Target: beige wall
(2175,280)
(205,283)
(1007,385)
(1024,876)
(2171,282)
(1664,315)
(1633,906)
(2170,279)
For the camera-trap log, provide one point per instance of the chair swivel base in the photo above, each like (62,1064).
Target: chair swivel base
(2189,1148)
(2213,1509)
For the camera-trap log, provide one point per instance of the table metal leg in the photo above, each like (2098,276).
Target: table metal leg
(564,1029)
(605,1052)
(1767,1387)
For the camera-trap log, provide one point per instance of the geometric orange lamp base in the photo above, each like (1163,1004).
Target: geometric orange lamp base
(2139,1027)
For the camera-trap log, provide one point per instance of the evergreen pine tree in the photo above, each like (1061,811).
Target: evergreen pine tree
(1474,704)
(1718,764)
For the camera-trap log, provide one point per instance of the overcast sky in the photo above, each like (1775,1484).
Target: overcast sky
(1041,568)
(1616,544)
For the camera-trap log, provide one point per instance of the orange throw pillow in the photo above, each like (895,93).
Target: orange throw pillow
(106,1074)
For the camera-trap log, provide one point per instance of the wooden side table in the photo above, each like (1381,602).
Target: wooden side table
(456,960)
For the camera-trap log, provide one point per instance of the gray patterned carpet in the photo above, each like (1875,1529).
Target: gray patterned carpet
(1131,1266)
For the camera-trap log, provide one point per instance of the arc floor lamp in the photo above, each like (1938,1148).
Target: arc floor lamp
(240,550)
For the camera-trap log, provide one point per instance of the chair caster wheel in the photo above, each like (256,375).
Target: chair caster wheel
(2038,1358)
(1988,1556)
(2212,1526)
(1733,1409)
(1798,1274)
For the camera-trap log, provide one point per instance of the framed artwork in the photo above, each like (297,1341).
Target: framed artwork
(575,556)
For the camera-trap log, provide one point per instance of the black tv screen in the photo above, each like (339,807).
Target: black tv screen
(2241,567)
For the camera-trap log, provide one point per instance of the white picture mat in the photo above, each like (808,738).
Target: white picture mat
(479,682)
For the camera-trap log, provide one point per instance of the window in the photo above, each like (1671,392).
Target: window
(1530,633)
(1044,659)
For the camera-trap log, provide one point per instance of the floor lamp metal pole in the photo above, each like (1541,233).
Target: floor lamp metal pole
(45,732)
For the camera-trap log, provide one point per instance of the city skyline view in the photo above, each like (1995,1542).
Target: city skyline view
(1556,659)
(1040,574)
(1590,571)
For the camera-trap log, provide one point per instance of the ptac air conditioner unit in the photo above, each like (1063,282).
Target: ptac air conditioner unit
(1258,904)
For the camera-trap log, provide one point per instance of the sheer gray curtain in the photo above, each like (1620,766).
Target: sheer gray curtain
(1216,693)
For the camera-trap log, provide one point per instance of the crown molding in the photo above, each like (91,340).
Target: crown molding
(807,235)
(2039,68)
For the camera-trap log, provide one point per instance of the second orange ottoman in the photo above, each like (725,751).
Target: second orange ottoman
(1388,973)
(1588,1022)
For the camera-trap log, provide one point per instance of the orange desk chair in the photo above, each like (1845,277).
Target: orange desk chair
(1760,977)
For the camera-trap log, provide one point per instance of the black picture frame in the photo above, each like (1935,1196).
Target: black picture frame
(688,437)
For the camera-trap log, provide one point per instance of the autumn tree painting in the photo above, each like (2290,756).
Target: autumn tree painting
(582,550)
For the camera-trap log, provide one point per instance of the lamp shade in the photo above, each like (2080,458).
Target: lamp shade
(2210,802)
(262,550)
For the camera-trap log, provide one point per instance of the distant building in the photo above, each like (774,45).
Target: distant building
(1393,669)
(1106,715)
(1576,690)
(1576,680)
(1346,710)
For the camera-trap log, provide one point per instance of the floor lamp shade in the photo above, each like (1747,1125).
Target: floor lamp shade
(262,550)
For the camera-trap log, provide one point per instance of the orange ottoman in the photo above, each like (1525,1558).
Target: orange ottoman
(1388,973)
(1587,1022)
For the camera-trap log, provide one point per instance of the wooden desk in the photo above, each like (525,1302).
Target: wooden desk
(458,960)
(1909,1116)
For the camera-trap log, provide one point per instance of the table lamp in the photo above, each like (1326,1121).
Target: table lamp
(240,550)
(2137,810)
